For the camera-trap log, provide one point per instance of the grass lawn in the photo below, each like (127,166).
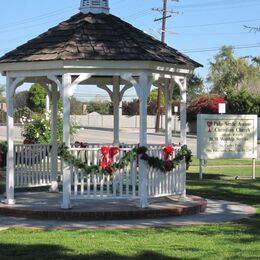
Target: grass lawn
(229,240)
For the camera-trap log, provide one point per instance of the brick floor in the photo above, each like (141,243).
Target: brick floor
(46,206)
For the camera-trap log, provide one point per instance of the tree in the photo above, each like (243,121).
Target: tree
(103,108)
(195,88)
(152,107)
(37,98)
(76,106)
(37,129)
(252,28)
(2,90)
(243,102)
(226,72)
(131,108)
(204,104)
(21,99)
(253,84)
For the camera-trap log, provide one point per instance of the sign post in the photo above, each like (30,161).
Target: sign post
(226,136)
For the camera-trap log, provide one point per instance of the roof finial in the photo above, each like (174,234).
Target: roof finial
(94,6)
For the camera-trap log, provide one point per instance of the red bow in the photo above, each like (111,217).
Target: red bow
(167,152)
(108,155)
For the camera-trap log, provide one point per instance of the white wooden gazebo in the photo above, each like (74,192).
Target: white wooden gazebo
(95,48)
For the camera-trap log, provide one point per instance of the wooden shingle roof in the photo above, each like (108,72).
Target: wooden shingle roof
(96,37)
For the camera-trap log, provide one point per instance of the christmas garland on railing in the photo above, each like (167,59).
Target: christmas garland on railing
(155,162)
(167,165)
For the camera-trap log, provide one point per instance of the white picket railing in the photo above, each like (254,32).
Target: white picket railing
(121,184)
(33,169)
(124,183)
(32,165)
(166,183)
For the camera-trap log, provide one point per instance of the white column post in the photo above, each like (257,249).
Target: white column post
(120,110)
(47,103)
(54,143)
(168,118)
(183,112)
(143,89)
(182,83)
(66,178)
(116,103)
(10,141)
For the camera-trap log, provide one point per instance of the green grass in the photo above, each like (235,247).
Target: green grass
(229,240)
(220,162)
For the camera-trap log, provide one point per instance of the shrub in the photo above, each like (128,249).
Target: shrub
(103,108)
(22,112)
(206,104)
(38,129)
(131,108)
(243,102)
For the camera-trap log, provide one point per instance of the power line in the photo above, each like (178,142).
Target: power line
(215,24)
(248,46)
(217,3)
(44,16)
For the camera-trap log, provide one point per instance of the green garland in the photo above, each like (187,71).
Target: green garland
(165,166)
(155,162)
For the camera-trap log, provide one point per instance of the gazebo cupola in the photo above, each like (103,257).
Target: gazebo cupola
(94,6)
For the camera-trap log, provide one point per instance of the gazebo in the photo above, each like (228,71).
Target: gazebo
(94,47)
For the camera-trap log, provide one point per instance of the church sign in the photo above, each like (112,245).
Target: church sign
(226,136)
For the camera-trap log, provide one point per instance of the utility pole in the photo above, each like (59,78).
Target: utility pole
(164,18)
(163,39)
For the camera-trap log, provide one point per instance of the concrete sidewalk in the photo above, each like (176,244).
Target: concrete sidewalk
(217,211)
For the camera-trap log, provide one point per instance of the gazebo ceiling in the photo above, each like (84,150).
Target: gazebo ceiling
(96,37)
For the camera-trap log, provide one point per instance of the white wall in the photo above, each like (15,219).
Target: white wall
(106,121)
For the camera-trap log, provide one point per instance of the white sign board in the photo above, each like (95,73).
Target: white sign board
(226,136)
(222,108)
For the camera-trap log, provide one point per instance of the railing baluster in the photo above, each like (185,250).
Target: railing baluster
(95,184)
(108,185)
(133,172)
(75,181)
(81,183)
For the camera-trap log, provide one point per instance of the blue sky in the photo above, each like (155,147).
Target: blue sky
(198,31)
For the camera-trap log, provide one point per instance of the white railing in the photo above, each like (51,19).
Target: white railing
(32,165)
(33,169)
(124,183)
(121,184)
(166,183)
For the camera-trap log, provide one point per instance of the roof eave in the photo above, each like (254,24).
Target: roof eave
(91,65)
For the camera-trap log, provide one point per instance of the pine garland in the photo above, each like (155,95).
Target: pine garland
(165,166)
(155,162)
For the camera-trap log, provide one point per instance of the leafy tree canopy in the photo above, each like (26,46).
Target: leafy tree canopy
(37,98)
(228,73)
(2,90)
(21,99)
(195,87)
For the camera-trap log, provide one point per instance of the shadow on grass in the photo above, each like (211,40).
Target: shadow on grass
(241,191)
(40,251)
(195,175)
